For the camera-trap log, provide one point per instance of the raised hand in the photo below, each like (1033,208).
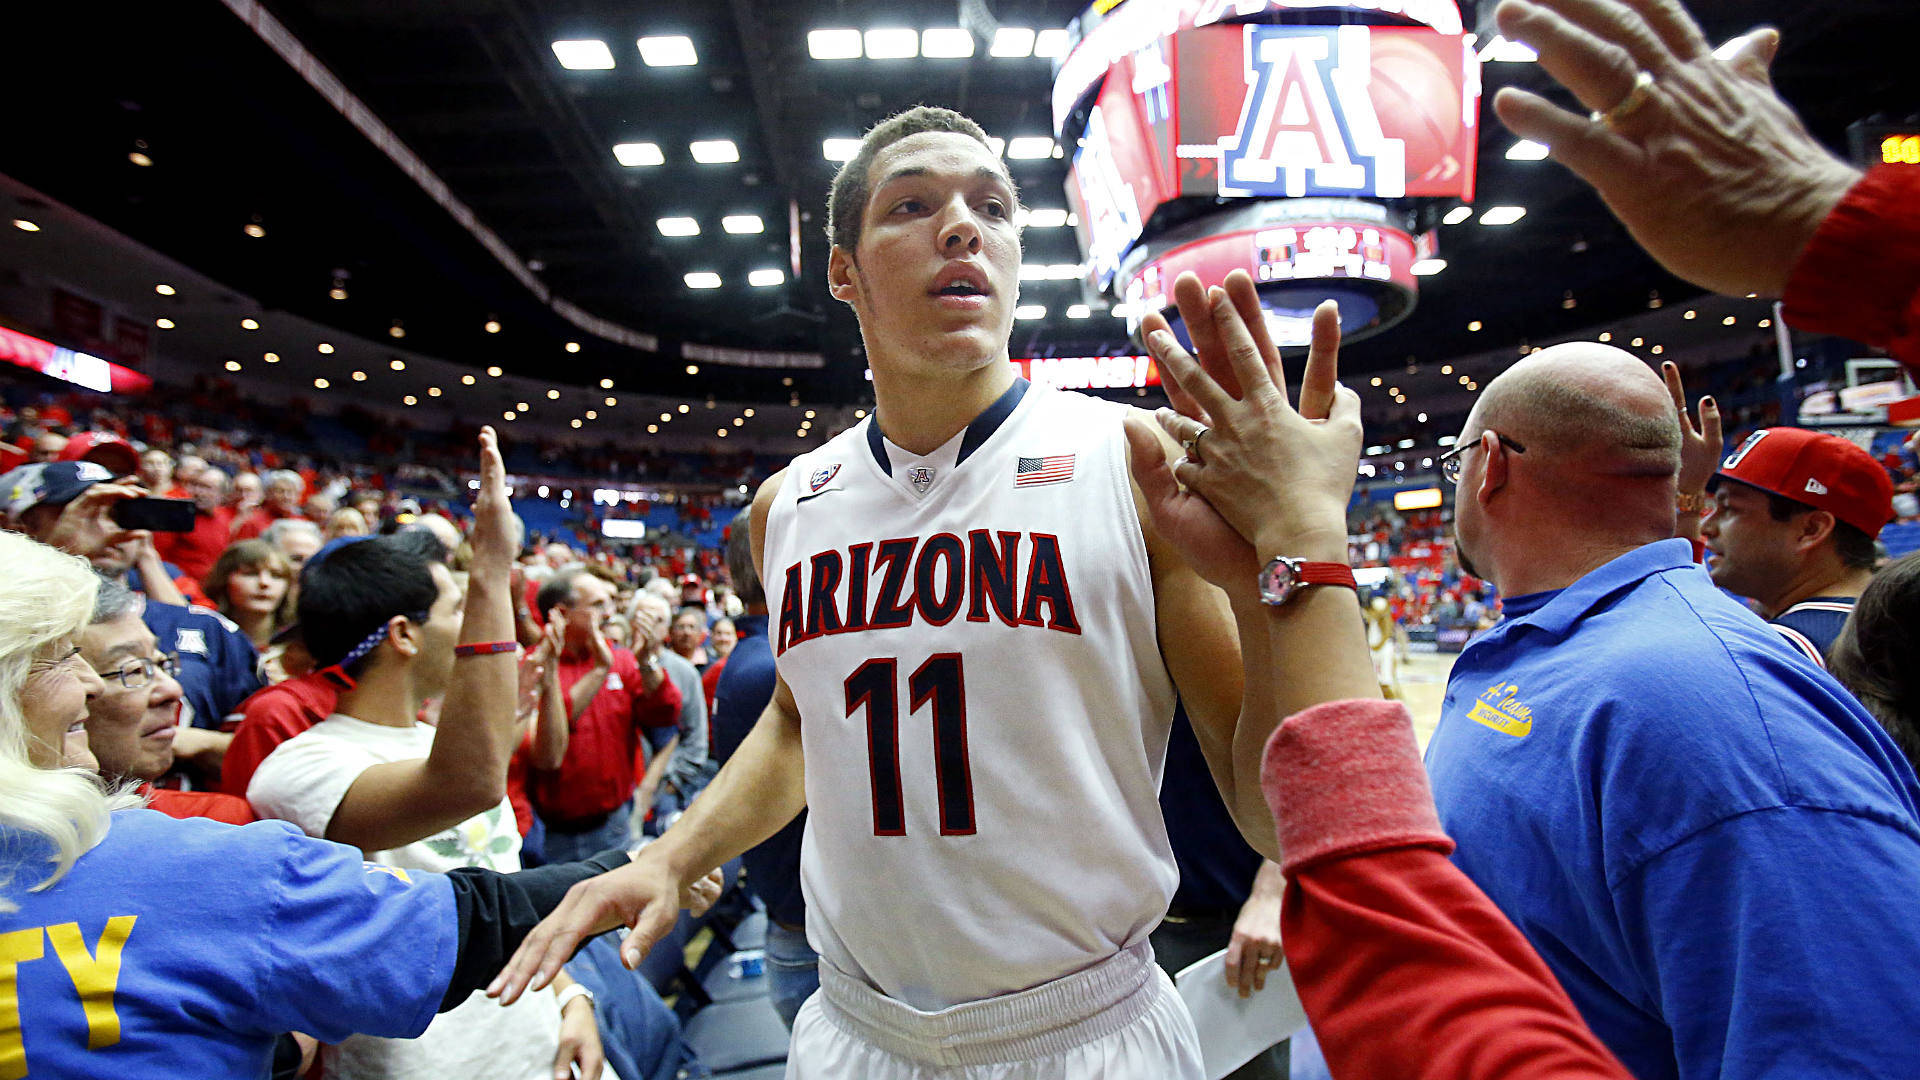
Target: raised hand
(1701,442)
(495,533)
(86,527)
(1709,170)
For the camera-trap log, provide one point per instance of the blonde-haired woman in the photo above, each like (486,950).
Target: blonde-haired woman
(114,975)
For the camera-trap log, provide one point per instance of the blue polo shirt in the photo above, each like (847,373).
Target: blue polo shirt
(184,947)
(1711,844)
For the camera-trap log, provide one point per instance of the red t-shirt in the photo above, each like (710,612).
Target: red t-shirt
(710,682)
(269,718)
(194,552)
(597,774)
(203,804)
(257,522)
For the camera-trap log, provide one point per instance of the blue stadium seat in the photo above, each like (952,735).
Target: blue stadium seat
(736,1035)
(1901,538)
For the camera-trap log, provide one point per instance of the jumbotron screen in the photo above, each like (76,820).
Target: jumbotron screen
(1257,110)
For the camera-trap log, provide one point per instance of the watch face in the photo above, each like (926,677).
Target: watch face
(1277,582)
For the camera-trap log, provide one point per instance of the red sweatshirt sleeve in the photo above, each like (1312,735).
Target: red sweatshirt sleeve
(1403,966)
(660,708)
(1860,276)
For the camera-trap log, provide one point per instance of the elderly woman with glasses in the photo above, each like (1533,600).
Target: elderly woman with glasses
(141,945)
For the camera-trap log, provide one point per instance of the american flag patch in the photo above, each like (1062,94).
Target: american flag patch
(1034,471)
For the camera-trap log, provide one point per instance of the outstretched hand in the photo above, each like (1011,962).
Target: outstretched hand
(1714,175)
(1701,442)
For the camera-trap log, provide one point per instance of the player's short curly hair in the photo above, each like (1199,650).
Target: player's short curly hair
(847,202)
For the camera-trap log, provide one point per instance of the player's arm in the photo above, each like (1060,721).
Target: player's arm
(465,773)
(761,789)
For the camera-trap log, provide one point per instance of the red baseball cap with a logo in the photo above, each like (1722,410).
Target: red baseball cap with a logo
(1823,471)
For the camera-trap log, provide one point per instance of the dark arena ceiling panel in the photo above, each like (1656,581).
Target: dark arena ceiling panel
(236,137)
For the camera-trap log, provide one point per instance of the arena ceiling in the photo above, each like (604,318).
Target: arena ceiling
(237,141)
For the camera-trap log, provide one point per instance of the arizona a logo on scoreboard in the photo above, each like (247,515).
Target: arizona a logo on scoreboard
(1307,126)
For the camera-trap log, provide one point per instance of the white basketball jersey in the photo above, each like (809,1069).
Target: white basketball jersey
(970,638)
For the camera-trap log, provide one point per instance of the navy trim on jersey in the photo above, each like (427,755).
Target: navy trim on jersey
(978,432)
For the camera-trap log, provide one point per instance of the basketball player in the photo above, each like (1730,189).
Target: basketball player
(1384,641)
(979,636)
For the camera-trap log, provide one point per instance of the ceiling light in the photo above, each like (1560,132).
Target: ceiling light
(583,55)
(338,292)
(574,422)
(764,278)
(433,391)
(740,224)
(678,226)
(746,412)
(1637,342)
(593,414)
(271,358)
(714,151)
(233,365)
(892,43)
(606,384)
(1458,214)
(1050,44)
(397,365)
(324,348)
(573,346)
(1658,349)
(666,416)
(163,290)
(1012,41)
(1464,380)
(522,406)
(509,415)
(249,324)
(702,279)
(839,149)
(409,400)
(359,376)
(859,414)
(1474,326)
(553,395)
(321,384)
(1029,147)
(396,330)
(693,369)
(611,402)
(810,414)
(946,43)
(1527,150)
(254,229)
(673,50)
(492,326)
(1394,390)
(721,432)
(1606,336)
(1765,323)
(164,324)
(1728,321)
(1503,215)
(653,429)
(1502,51)
(1029,312)
(493,372)
(833,44)
(1446,369)
(738,421)
(1691,314)
(140,159)
(24,225)
(1422,418)
(1428,267)
(638,155)
(802,433)
(1078,311)
(467,380)
(1376,380)
(684,408)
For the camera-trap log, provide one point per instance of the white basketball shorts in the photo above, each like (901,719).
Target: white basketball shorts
(1118,1020)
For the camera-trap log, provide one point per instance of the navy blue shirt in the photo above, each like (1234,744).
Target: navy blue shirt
(745,688)
(219,667)
(1710,843)
(1811,625)
(1217,866)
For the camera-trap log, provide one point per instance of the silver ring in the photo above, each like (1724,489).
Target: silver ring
(1635,100)
(1192,446)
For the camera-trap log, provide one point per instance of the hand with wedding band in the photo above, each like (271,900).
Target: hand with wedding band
(1690,147)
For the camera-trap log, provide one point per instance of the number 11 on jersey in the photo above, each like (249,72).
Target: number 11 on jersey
(941,682)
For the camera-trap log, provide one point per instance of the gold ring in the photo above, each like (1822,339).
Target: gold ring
(1635,100)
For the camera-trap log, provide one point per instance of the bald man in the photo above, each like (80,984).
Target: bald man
(1708,841)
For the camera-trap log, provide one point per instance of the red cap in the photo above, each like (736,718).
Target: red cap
(1823,471)
(105,449)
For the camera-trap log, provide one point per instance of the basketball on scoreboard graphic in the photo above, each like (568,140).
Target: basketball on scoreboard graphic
(1166,100)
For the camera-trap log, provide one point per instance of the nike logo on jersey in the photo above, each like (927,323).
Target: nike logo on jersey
(894,583)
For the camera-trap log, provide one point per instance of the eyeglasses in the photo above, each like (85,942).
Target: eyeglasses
(140,674)
(56,663)
(1451,462)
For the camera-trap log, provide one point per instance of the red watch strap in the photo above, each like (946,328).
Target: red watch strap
(1326,573)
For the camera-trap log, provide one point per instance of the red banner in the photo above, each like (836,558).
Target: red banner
(80,369)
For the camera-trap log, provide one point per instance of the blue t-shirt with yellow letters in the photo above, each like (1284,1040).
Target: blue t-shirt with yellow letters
(183,947)
(1710,843)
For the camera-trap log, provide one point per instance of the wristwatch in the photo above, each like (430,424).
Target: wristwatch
(574,990)
(1282,577)
(1691,502)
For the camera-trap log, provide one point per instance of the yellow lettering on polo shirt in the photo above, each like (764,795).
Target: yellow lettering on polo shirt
(95,974)
(1500,710)
(16,948)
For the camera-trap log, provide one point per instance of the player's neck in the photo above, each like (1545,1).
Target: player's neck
(919,415)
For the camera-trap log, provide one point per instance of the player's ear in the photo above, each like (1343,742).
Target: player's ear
(841,270)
